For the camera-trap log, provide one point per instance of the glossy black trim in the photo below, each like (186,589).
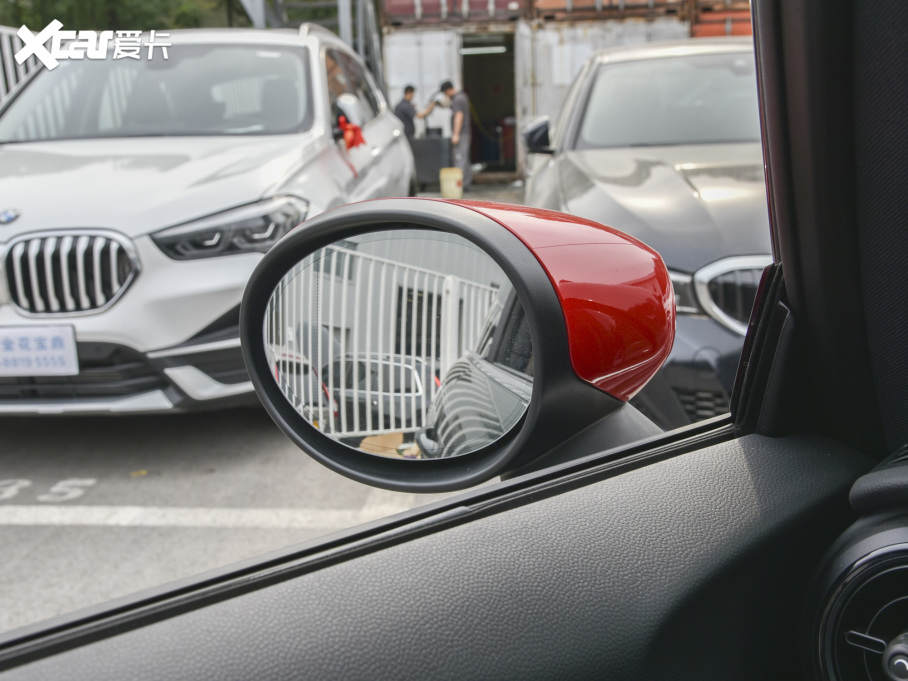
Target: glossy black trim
(536,137)
(224,327)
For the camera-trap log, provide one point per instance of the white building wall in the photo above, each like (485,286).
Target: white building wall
(423,59)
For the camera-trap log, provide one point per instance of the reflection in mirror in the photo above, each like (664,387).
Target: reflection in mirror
(406,343)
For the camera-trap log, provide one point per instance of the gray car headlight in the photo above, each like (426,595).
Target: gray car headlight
(248,229)
(685,296)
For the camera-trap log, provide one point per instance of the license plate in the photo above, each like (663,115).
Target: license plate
(38,351)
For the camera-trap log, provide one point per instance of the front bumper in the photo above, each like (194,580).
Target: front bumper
(171,343)
(696,381)
(117,379)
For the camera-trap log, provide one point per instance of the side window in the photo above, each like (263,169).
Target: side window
(374,91)
(360,86)
(559,130)
(338,85)
(512,346)
(487,335)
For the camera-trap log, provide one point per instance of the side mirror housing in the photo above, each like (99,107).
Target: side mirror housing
(536,136)
(470,339)
(351,108)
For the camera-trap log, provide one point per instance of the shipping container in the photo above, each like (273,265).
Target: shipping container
(409,12)
(712,19)
(575,10)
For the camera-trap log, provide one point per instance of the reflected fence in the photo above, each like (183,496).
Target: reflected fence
(361,343)
(12,73)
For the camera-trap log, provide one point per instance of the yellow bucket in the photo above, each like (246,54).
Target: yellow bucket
(451,180)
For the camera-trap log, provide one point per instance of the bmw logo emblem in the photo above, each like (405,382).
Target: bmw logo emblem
(8,216)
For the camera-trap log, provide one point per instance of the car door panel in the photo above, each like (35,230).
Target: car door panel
(384,166)
(394,158)
(359,159)
(377,170)
(682,569)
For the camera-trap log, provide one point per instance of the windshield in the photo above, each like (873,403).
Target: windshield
(704,99)
(199,90)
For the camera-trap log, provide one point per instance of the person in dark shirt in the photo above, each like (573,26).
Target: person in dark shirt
(460,130)
(407,113)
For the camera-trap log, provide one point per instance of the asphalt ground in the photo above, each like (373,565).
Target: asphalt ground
(93,508)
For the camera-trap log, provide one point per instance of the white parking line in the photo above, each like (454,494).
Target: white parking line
(156,516)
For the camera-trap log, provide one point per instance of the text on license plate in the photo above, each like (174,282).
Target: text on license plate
(38,351)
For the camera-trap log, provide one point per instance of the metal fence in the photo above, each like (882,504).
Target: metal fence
(11,73)
(361,344)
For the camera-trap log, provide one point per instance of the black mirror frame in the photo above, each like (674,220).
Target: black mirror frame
(561,404)
(536,136)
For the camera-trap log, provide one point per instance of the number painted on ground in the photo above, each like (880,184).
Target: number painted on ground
(10,488)
(67,490)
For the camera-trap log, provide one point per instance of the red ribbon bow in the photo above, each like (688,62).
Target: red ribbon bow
(353,134)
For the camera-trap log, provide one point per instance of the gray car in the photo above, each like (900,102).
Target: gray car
(662,141)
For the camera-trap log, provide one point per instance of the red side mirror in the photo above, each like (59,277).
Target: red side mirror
(614,290)
(538,326)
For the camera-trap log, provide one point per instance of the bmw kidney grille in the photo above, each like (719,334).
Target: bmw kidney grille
(69,272)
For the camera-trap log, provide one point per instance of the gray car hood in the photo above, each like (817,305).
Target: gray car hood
(693,204)
(139,185)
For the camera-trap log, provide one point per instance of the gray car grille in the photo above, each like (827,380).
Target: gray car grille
(727,289)
(702,404)
(734,292)
(59,273)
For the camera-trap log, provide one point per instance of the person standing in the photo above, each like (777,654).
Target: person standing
(407,113)
(461,135)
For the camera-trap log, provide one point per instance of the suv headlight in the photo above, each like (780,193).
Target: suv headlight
(685,296)
(248,229)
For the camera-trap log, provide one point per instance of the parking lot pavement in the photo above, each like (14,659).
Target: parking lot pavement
(511,192)
(95,508)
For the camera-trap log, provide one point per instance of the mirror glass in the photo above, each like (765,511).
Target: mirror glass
(407,343)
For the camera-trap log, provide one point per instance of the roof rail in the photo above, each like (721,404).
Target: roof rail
(307,28)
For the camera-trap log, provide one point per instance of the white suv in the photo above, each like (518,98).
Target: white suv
(136,197)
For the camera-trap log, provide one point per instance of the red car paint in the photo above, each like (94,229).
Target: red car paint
(615,292)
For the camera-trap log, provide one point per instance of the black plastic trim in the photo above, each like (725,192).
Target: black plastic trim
(223,328)
(806,80)
(870,546)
